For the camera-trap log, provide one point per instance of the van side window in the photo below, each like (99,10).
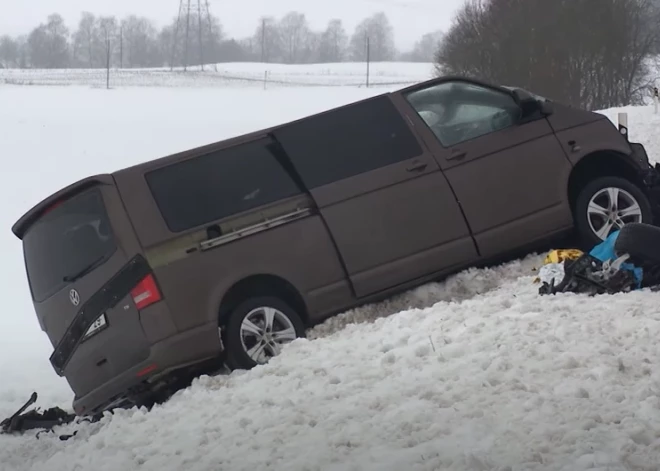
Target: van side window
(347,141)
(458,111)
(219,184)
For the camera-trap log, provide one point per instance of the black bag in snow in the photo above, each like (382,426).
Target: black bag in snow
(21,421)
(588,275)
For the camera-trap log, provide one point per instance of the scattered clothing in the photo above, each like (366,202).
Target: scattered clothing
(601,271)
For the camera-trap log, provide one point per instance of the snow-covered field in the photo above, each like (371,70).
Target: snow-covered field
(476,373)
(231,75)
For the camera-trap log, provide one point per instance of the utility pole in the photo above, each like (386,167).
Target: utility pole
(176,34)
(201,40)
(107,49)
(368,45)
(208,19)
(121,47)
(185,53)
(263,40)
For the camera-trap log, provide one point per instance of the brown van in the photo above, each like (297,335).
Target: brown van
(229,251)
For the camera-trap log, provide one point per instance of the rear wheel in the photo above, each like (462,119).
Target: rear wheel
(258,329)
(606,205)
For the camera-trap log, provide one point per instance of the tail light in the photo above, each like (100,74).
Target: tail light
(146,292)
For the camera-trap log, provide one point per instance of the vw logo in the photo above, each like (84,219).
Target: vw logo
(74,297)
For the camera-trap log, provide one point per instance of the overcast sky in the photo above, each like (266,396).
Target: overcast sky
(410,18)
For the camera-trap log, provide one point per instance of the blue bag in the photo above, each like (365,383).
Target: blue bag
(605,252)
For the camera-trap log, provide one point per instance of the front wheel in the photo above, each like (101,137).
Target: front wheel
(607,204)
(258,329)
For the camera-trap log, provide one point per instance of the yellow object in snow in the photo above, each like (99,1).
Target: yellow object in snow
(552,265)
(558,256)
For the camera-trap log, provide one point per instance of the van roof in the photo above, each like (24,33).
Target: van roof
(195,151)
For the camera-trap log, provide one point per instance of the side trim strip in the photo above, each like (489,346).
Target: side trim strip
(262,226)
(118,287)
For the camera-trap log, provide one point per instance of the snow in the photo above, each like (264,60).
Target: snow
(231,75)
(644,127)
(476,373)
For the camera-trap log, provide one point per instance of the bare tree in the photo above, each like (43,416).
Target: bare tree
(23,52)
(655,8)
(139,43)
(380,34)
(295,34)
(333,42)
(48,44)
(234,51)
(268,40)
(251,48)
(87,42)
(109,33)
(589,53)
(312,48)
(9,53)
(424,49)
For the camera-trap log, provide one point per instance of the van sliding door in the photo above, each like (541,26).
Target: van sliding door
(383,197)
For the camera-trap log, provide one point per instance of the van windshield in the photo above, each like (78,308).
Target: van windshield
(66,243)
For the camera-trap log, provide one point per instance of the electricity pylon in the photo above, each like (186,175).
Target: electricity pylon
(192,10)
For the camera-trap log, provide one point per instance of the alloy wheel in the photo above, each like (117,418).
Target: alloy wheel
(264,331)
(610,209)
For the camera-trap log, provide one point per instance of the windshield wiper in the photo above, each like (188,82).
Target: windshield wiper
(84,271)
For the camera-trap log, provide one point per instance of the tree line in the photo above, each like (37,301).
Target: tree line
(135,41)
(588,53)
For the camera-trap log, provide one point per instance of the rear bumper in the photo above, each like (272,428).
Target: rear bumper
(181,350)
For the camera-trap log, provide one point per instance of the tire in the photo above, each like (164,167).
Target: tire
(238,341)
(641,242)
(588,222)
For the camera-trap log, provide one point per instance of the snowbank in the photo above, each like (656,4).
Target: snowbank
(498,380)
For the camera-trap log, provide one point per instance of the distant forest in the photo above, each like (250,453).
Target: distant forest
(589,53)
(135,41)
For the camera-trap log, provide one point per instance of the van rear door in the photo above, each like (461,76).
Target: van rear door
(81,276)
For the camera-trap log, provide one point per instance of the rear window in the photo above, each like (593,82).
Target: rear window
(67,242)
(220,184)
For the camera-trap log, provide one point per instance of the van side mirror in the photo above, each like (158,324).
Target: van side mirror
(530,105)
(546,108)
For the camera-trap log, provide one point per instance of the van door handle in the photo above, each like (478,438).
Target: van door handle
(574,146)
(418,167)
(457,155)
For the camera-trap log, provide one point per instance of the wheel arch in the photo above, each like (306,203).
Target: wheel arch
(261,285)
(597,164)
